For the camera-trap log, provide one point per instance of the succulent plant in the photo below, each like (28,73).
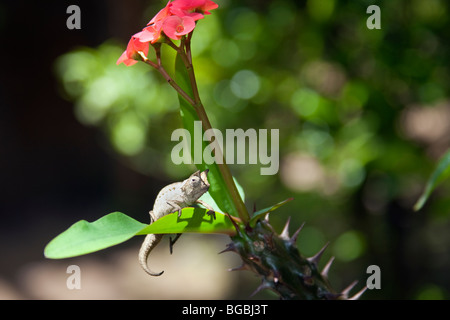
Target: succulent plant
(280,265)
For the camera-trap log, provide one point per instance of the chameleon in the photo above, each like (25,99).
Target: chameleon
(173,198)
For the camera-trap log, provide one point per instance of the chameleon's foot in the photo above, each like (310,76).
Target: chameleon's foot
(211,213)
(172,242)
(175,204)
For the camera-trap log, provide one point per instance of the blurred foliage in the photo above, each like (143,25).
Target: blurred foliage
(363,117)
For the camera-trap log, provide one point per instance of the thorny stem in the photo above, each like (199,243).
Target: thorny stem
(184,51)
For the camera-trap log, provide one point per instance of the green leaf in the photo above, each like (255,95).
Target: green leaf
(85,237)
(261,213)
(218,189)
(192,220)
(441,172)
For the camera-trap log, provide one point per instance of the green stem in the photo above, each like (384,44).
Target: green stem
(166,76)
(224,169)
(201,112)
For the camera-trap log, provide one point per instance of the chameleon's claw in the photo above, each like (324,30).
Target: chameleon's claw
(211,213)
(172,242)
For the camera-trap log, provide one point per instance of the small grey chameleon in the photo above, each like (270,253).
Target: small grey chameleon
(173,198)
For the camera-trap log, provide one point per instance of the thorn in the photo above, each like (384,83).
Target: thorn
(359,294)
(285,233)
(295,235)
(172,242)
(254,207)
(238,230)
(230,248)
(315,259)
(262,286)
(327,267)
(276,276)
(254,258)
(332,296)
(347,290)
(240,268)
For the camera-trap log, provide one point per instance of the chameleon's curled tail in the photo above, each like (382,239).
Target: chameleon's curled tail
(151,240)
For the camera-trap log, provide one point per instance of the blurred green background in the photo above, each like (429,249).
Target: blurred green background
(364,116)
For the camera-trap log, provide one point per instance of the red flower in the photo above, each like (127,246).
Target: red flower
(151,33)
(175,27)
(176,19)
(162,14)
(209,5)
(192,8)
(131,55)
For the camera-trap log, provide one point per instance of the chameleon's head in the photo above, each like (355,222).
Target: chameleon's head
(196,185)
(203,176)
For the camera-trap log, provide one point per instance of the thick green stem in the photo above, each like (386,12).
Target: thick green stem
(224,169)
(201,112)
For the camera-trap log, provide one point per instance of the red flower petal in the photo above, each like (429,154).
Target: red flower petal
(135,45)
(175,27)
(131,55)
(188,4)
(209,5)
(162,14)
(151,33)
(124,58)
(192,8)
(192,5)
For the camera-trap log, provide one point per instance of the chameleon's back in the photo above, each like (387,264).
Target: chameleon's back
(182,194)
(169,193)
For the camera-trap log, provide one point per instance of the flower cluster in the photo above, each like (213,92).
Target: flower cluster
(177,19)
